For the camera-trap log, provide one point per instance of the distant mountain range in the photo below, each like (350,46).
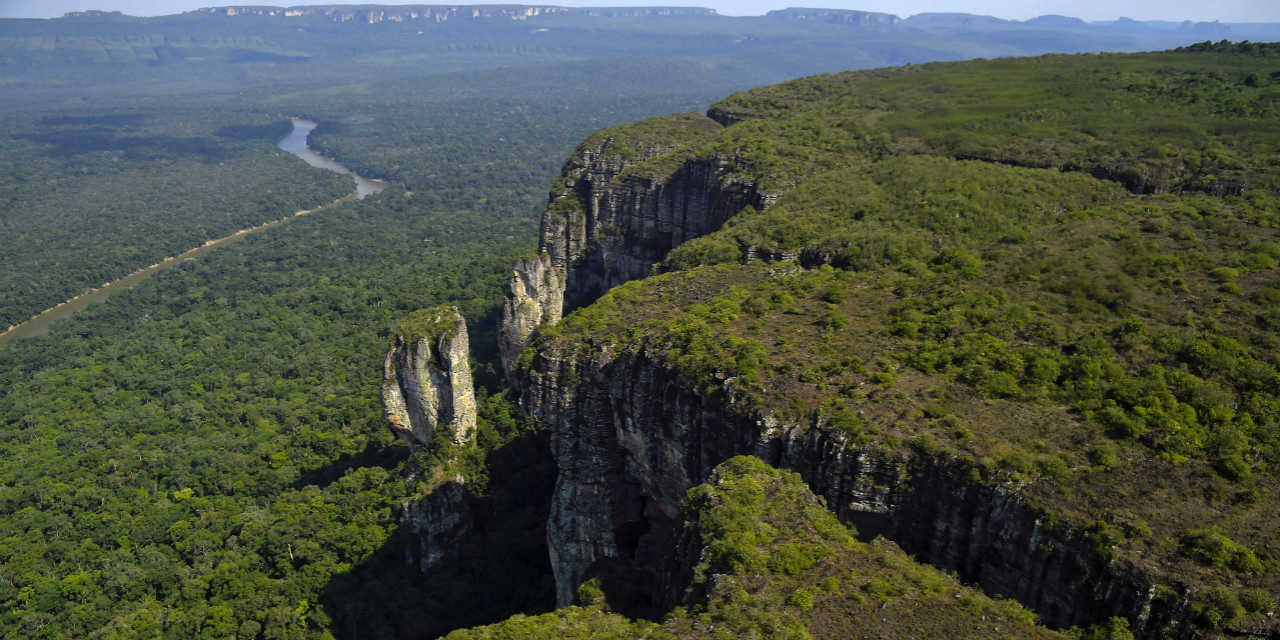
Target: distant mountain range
(234,45)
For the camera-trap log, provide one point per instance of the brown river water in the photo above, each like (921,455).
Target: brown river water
(295,143)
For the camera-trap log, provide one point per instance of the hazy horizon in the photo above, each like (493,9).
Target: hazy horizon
(1091,10)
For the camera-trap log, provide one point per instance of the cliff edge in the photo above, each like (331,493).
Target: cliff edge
(970,322)
(624,199)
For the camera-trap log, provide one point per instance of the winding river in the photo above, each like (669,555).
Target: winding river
(295,143)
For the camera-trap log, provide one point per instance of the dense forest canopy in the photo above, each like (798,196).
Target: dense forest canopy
(202,456)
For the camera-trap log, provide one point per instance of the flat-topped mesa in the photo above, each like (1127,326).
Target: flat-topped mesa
(625,198)
(427,378)
(375,14)
(835,16)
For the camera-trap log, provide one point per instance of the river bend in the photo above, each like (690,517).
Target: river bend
(295,143)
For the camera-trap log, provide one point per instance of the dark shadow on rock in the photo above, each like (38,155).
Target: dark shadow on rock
(484,348)
(492,562)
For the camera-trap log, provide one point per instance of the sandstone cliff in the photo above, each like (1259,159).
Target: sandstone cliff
(893,360)
(625,198)
(763,559)
(427,378)
(437,524)
(630,437)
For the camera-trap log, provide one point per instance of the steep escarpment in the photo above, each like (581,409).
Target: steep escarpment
(427,378)
(478,485)
(1059,387)
(625,198)
(630,437)
(764,559)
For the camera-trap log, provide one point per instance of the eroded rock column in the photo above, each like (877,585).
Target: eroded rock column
(427,378)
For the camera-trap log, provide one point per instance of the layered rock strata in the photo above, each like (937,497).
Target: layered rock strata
(629,438)
(618,208)
(427,378)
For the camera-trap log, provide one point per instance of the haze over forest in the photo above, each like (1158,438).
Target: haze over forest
(1089,10)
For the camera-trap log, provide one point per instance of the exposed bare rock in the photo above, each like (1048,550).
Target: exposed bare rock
(427,378)
(536,298)
(438,523)
(630,438)
(624,199)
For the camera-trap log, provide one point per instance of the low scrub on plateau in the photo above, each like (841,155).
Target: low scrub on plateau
(974,261)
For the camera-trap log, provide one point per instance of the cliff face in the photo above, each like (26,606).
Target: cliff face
(618,208)
(629,439)
(437,524)
(427,378)
(536,297)
(646,392)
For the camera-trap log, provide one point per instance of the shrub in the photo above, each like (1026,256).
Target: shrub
(791,559)
(1000,384)
(1054,467)
(801,599)
(591,593)
(1221,606)
(1212,548)
(1113,629)
(831,321)
(1018,461)
(1256,600)
(1104,455)
(884,590)
(935,411)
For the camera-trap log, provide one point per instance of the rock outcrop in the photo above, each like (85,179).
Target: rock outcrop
(629,438)
(437,524)
(535,298)
(623,201)
(427,378)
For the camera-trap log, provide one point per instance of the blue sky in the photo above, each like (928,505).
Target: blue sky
(1224,10)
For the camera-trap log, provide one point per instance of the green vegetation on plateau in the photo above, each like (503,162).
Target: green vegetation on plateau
(776,564)
(426,324)
(1063,269)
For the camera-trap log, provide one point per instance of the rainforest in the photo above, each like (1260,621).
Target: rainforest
(833,324)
